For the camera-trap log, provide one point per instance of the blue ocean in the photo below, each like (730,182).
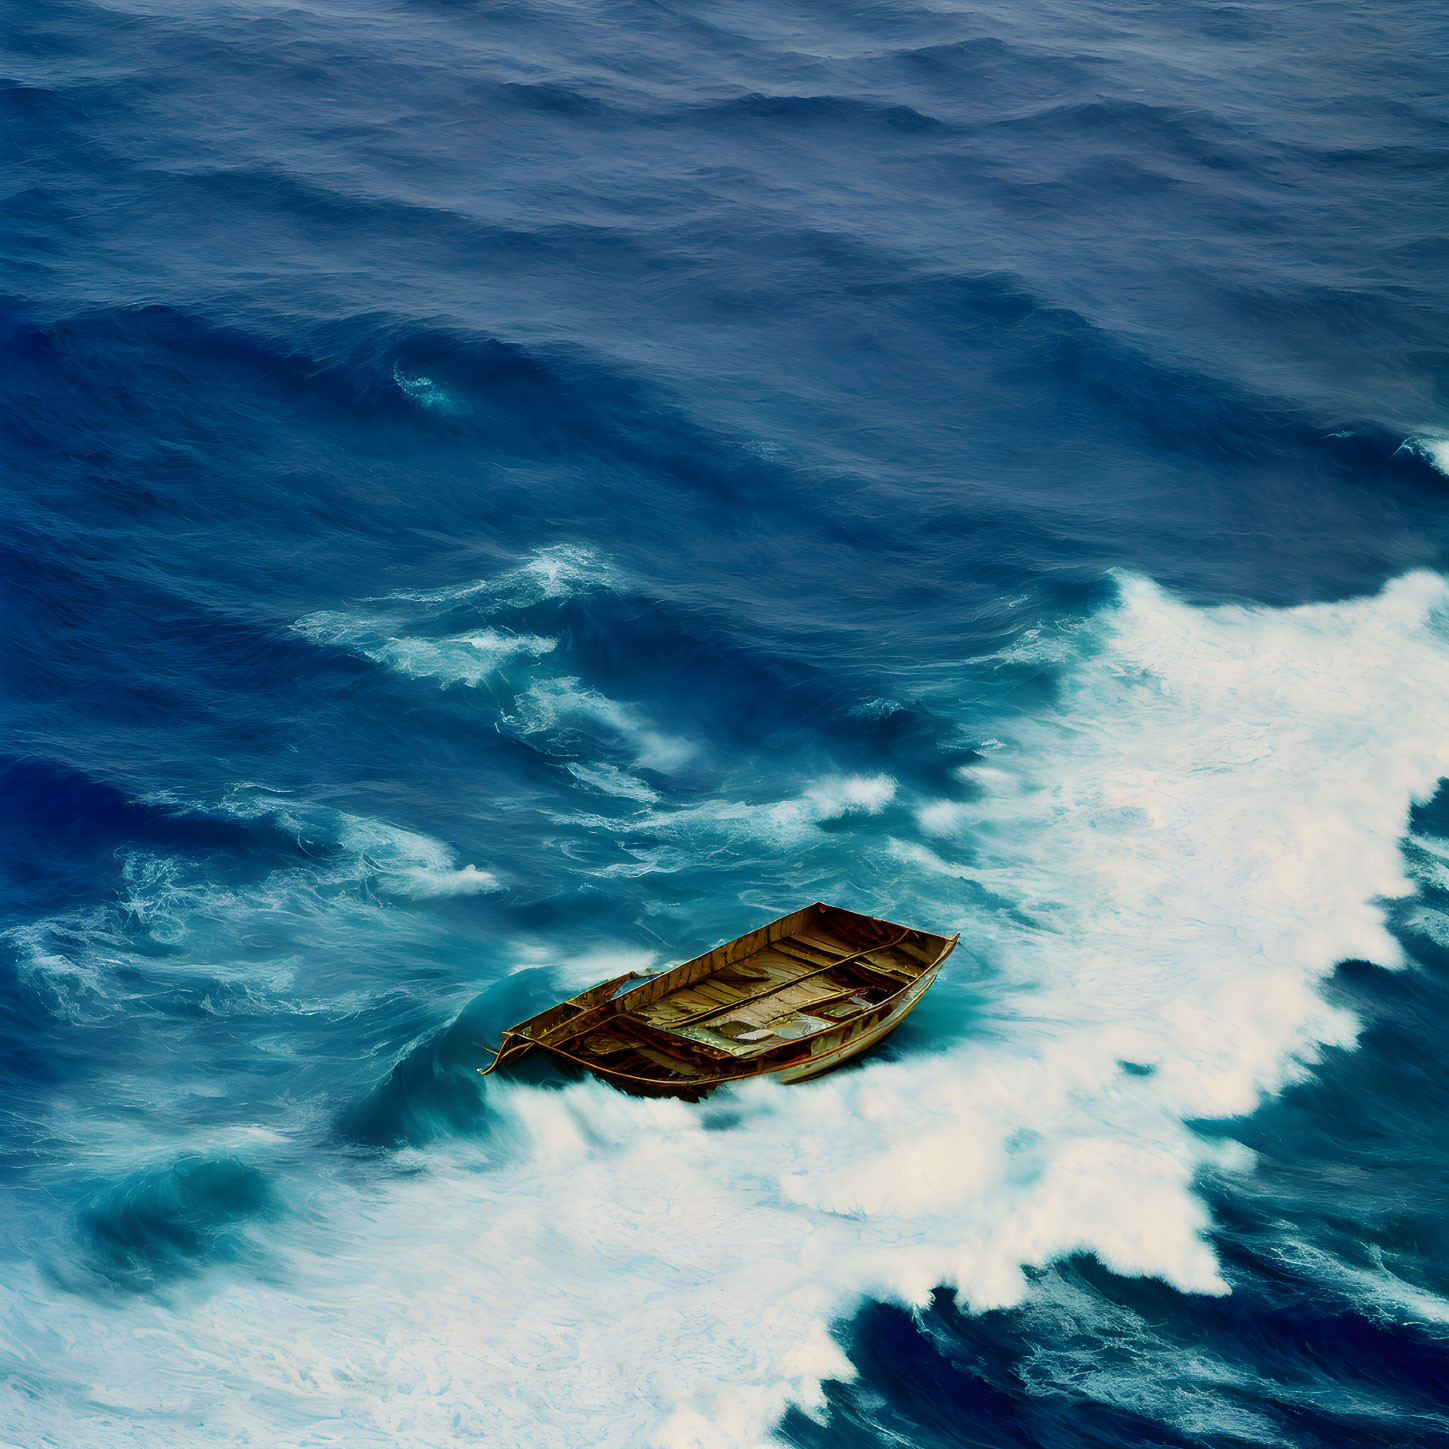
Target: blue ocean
(497,495)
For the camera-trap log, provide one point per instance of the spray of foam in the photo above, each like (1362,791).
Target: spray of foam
(1161,870)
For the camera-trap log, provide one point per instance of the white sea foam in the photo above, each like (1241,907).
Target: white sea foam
(551,704)
(407,862)
(868,793)
(1187,841)
(471,658)
(372,852)
(613,781)
(1434,447)
(556,572)
(942,817)
(429,394)
(534,702)
(693,832)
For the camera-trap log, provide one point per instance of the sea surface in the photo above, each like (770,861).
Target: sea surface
(499,494)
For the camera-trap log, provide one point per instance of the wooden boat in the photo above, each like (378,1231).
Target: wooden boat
(789,1000)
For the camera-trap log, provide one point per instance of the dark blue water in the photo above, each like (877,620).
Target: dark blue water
(501,493)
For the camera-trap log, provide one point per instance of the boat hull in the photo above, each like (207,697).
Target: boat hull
(791,1000)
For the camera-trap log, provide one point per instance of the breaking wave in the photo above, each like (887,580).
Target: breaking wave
(1154,874)
(1433,448)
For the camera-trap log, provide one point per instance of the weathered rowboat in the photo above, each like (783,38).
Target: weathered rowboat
(789,1000)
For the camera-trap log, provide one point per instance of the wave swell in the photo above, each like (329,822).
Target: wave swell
(1154,876)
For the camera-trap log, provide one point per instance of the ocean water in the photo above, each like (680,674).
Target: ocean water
(499,494)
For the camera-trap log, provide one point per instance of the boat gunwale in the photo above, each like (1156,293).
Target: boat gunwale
(662,979)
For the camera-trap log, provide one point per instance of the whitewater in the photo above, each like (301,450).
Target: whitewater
(1171,823)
